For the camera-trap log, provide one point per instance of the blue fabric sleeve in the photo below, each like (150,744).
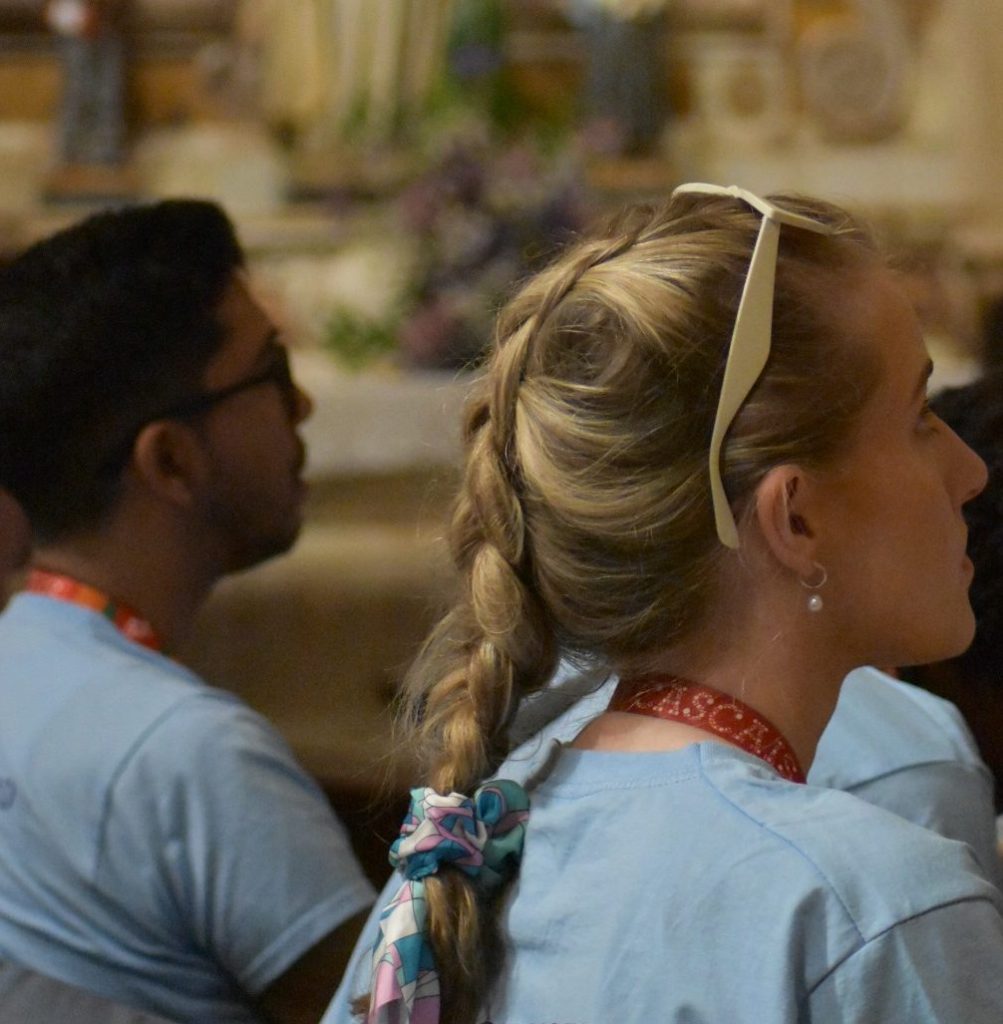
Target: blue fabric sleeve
(216,833)
(915,973)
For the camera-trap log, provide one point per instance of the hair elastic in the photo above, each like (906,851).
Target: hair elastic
(481,836)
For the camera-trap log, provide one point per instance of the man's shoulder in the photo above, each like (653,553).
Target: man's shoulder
(73,692)
(60,638)
(60,660)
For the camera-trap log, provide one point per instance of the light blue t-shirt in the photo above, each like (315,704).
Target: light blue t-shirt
(890,743)
(696,886)
(27,997)
(159,845)
(908,751)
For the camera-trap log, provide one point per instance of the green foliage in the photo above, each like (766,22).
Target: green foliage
(357,341)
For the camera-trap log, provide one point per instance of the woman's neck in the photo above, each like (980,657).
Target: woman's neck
(790,674)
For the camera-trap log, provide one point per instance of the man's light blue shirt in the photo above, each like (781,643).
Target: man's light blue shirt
(159,845)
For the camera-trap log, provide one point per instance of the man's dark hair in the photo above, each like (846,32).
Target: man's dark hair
(975,413)
(102,326)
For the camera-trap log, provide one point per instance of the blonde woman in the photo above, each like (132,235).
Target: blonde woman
(701,458)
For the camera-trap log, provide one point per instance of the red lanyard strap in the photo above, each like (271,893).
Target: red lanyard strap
(679,700)
(64,588)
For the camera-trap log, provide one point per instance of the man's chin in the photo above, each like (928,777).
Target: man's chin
(256,551)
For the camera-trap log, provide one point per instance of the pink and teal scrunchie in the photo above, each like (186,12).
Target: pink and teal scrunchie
(483,837)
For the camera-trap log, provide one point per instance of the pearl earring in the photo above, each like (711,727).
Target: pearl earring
(815,603)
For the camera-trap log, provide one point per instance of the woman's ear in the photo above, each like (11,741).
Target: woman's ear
(784,518)
(169,460)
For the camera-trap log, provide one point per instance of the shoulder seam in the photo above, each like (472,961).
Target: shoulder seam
(885,931)
(786,842)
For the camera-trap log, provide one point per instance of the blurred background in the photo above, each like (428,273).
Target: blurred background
(395,167)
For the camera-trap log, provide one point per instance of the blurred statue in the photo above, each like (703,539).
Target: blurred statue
(331,67)
(625,100)
(92,49)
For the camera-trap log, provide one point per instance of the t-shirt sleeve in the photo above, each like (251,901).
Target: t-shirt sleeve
(940,967)
(216,832)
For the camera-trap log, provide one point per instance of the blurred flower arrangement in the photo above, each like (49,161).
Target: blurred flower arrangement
(495,198)
(478,221)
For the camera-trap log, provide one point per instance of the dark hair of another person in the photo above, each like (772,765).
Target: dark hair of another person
(975,413)
(992,334)
(102,326)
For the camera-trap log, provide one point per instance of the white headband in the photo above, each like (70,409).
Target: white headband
(751,335)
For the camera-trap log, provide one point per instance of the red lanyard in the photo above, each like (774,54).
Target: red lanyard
(679,700)
(65,588)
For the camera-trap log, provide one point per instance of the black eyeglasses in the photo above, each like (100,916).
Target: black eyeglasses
(278,372)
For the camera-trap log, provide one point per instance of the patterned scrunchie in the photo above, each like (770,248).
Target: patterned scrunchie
(483,837)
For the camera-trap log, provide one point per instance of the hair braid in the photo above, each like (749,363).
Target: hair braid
(502,647)
(529,313)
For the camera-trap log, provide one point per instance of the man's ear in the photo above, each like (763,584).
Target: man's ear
(169,459)
(784,518)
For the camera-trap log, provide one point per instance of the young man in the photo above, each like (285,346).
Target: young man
(159,845)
